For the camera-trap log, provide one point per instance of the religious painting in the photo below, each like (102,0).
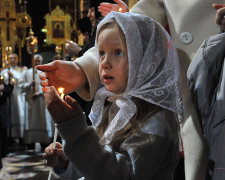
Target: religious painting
(58,27)
(8,24)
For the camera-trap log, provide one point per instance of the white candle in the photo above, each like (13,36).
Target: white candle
(60,90)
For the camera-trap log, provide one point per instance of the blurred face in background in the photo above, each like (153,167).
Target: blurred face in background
(86,37)
(13,60)
(91,15)
(37,61)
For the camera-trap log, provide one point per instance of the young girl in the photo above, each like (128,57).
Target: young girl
(135,114)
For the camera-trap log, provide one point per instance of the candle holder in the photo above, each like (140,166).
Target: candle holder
(32,48)
(32,43)
(8,50)
(1,82)
(58,50)
(60,91)
(1,79)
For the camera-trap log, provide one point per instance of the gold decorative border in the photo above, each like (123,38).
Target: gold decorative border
(58,16)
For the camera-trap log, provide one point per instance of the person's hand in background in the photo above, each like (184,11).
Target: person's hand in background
(220,15)
(106,8)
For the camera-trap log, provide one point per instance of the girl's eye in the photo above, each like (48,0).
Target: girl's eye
(118,52)
(101,53)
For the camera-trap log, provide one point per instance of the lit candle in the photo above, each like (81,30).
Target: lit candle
(60,90)
(1,80)
(120,9)
(12,81)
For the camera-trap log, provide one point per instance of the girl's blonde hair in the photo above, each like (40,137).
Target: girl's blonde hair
(112,24)
(144,111)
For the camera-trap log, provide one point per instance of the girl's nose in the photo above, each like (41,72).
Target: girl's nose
(106,63)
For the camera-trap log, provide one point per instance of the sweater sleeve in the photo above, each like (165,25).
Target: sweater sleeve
(152,8)
(144,155)
(89,63)
(67,173)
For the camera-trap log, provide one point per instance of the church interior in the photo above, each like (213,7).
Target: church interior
(28,27)
(19,17)
(41,42)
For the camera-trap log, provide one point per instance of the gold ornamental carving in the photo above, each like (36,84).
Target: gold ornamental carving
(8,22)
(58,27)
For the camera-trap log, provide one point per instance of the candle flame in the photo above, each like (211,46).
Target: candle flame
(34,41)
(61,90)
(120,9)
(12,81)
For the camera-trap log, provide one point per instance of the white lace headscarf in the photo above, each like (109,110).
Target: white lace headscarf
(153,72)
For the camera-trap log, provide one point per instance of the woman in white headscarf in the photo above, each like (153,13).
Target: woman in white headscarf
(135,115)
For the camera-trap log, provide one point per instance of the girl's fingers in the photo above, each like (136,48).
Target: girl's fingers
(74,104)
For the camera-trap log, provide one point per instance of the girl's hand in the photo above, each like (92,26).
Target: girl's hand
(106,8)
(59,109)
(55,157)
(220,15)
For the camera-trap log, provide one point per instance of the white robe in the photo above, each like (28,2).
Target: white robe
(16,102)
(38,123)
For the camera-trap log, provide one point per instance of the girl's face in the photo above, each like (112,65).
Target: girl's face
(113,62)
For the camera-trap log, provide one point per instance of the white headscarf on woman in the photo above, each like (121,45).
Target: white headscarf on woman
(153,72)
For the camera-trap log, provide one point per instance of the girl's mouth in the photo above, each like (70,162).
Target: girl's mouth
(107,79)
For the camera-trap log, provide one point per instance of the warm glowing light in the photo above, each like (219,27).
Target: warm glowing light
(12,80)
(8,49)
(1,80)
(34,41)
(44,30)
(120,9)
(61,90)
